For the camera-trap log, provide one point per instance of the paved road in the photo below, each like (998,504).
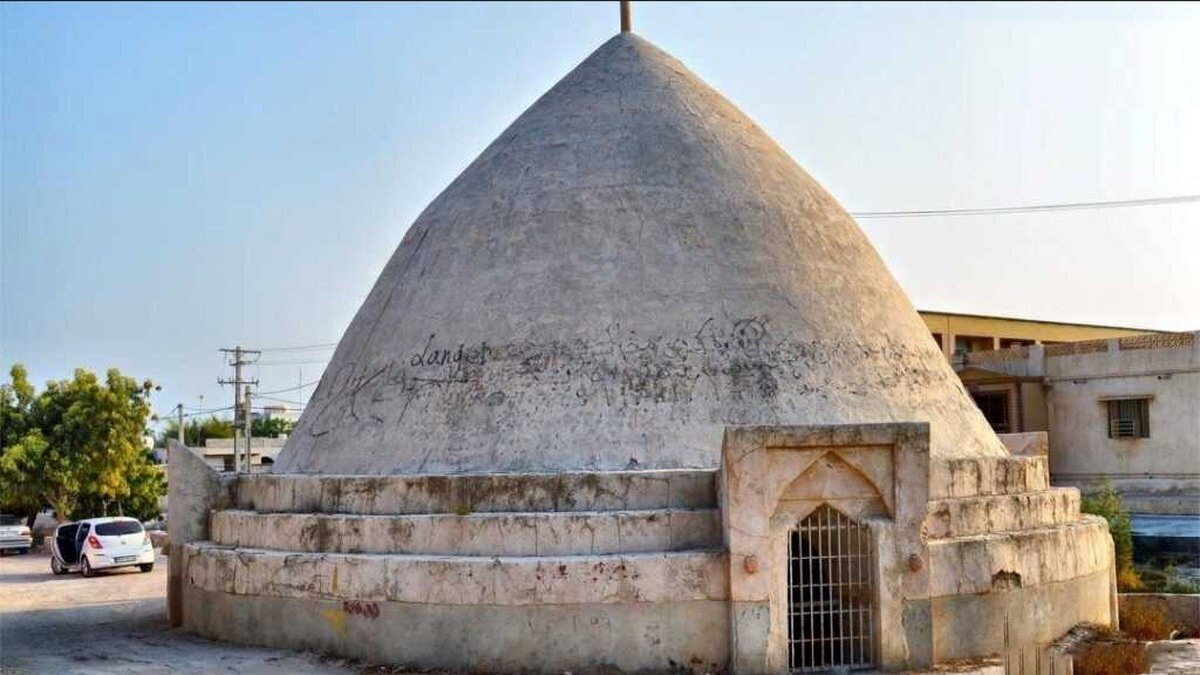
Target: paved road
(115,623)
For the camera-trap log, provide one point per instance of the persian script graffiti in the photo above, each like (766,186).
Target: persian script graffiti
(735,360)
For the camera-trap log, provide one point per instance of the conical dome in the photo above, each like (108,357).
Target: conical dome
(630,268)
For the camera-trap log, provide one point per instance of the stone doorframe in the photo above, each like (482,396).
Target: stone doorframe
(773,476)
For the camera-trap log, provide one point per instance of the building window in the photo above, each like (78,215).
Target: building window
(937,338)
(1129,418)
(994,406)
(965,344)
(228,461)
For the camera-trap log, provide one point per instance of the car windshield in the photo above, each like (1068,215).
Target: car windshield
(118,527)
(9,519)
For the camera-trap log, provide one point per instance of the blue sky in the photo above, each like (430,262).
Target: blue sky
(179,178)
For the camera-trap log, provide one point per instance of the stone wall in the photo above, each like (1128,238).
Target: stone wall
(1181,610)
(638,570)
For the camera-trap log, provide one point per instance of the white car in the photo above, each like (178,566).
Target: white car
(14,535)
(100,544)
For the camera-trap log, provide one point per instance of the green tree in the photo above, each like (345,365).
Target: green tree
(271,428)
(81,452)
(16,397)
(22,465)
(195,432)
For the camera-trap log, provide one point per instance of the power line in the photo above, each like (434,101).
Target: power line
(282,391)
(166,419)
(199,411)
(279,400)
(299,362)
(1032,208)
(300,348)
(194,413)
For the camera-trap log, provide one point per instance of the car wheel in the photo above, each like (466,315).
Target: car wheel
(24,551)
(147,567)
(55,566)
(87,568)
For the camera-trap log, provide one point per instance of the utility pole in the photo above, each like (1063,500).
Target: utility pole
(239,360)
(179,409)
(249,437)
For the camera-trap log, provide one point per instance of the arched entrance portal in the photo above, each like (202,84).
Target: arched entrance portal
(831,593)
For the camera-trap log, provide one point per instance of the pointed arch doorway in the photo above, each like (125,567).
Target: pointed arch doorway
(831,593)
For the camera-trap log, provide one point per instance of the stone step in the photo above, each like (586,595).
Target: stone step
(965,516)
(986,563)
(513,534)
(459,580)
(478,493)
(980,476)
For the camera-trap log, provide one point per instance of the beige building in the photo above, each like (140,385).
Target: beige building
(218,452)
(1122,410)
(959,334)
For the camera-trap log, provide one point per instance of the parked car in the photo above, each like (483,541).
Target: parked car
(100,544)
(14,534)
(44,523)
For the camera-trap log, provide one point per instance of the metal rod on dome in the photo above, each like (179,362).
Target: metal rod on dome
(626,17)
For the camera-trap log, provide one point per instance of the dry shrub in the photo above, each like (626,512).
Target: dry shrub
(1128,580)
(1110,658)
(1145,621)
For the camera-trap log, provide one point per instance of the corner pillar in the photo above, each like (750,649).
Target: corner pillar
(194,489)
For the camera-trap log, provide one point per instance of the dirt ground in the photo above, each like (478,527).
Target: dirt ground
(115,623)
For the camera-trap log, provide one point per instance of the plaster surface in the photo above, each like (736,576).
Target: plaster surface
(478,493)
(510,534)
(460,580)
(620,637)
(194,490)
(629,268)
(959,517)
(983,563)
(971,625)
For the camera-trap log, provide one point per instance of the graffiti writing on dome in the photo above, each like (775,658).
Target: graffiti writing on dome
(737,360)
(363,608)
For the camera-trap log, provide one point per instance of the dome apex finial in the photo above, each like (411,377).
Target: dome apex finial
(626,17)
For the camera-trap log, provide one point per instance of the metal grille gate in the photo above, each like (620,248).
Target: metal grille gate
(831,594)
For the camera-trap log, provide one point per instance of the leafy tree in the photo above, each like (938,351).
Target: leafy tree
(22,465)
(15,401)
(195,432)
(81,448)
(271,428)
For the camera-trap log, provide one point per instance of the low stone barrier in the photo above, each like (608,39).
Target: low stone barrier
(1180,610)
